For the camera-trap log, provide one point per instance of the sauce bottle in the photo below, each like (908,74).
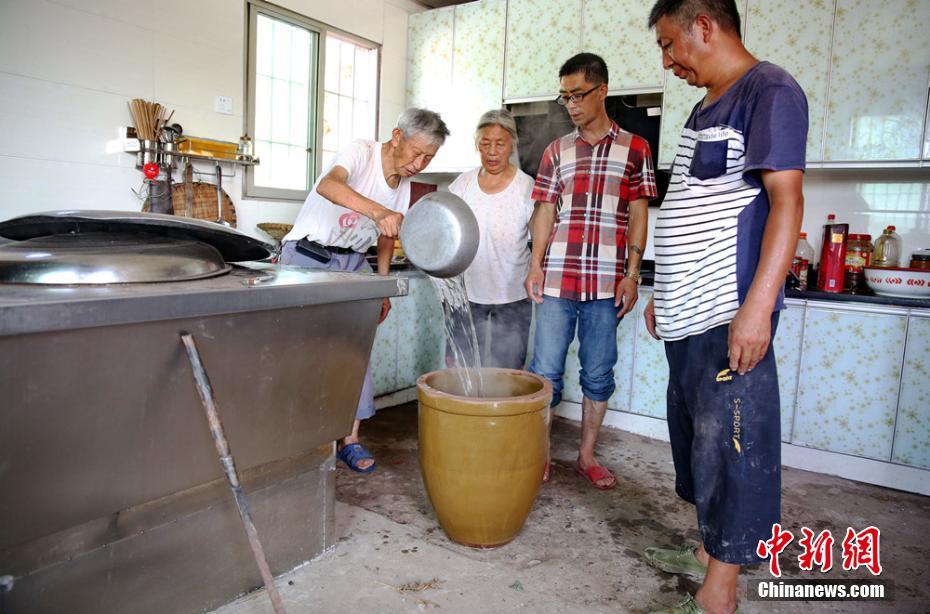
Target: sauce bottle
(802,262)
(832,256)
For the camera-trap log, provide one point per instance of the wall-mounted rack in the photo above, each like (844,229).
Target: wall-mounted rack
(166,155)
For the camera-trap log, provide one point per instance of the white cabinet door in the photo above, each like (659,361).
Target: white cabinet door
(912,427)
(384,352)
(477,74)
(429,58)
(802,49)
(616,30)
(420,332)
(787,345)
(650,368)
(878,84)
(848,388)
(927,131)
(455,66)
(541,36)
(429,67)
(677,101)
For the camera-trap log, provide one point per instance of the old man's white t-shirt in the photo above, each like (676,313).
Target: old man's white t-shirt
(336,226)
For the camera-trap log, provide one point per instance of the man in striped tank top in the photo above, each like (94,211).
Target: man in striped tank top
(724,239)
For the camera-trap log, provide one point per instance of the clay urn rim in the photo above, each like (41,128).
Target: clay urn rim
(485,406)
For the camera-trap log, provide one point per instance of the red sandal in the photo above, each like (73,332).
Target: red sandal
(595,473)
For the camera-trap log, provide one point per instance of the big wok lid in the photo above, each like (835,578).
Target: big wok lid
(233,245)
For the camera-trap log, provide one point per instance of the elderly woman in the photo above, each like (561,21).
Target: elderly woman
(499,194)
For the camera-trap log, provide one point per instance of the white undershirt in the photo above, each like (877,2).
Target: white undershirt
(334,225)
(497,274)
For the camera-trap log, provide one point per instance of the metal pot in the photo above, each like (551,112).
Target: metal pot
(440,234)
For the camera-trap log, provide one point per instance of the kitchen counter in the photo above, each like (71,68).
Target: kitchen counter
(873,299)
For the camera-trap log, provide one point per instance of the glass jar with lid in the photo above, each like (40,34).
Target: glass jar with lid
(920,259)
(858,257)
(887,252)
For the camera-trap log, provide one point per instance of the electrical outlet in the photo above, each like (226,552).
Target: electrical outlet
(224,105)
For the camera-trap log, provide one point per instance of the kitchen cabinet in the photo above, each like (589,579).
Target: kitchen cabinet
(455,66)
(616,30)
(477,74)
(802,50)
(429,58)
(878,81)
(541,35)
(650,368)
(410,342)
(429,66)
(677,101)
(926,155)
(912,427)
(787,346)
(849,377)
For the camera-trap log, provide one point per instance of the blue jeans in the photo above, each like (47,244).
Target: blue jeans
(597,322)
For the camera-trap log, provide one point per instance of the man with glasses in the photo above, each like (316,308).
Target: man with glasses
(589,232)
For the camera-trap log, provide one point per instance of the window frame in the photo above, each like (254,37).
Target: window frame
(315,149)
(376,100)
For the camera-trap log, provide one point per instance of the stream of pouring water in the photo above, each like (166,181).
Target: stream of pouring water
(460,327)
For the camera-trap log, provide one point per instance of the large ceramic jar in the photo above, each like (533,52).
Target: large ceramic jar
(482,458)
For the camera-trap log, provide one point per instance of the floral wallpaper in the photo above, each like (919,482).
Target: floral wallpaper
(410,342)
(429,58)
(878,84)
(617,32)
(848,390)
(677,101)
(912,431)
(787,345)
(477,73)
(541,35)
(803,49)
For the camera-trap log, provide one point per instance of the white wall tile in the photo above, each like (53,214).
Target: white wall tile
(363,18)
(57,43)
(191,74)
(869,201)
(30,186)
(217,23)
(394,56)
(54,121)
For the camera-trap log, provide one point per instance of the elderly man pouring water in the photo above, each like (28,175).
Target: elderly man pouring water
(359,200)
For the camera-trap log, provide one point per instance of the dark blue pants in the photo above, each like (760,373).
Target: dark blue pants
(725,431)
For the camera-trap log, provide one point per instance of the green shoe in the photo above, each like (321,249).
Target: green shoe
(688,605)
(681,561)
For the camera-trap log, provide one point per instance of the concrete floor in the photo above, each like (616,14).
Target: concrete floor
(580,548)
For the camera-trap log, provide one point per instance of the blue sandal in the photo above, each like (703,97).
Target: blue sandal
(352,453)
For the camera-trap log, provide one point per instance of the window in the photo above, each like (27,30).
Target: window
(284,93)
(350,101)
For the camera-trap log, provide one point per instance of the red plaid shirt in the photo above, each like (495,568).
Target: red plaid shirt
(592,187)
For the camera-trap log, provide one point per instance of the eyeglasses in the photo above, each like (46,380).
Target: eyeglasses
(576,98)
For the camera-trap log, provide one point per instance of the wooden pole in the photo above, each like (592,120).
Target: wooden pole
(208,400)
